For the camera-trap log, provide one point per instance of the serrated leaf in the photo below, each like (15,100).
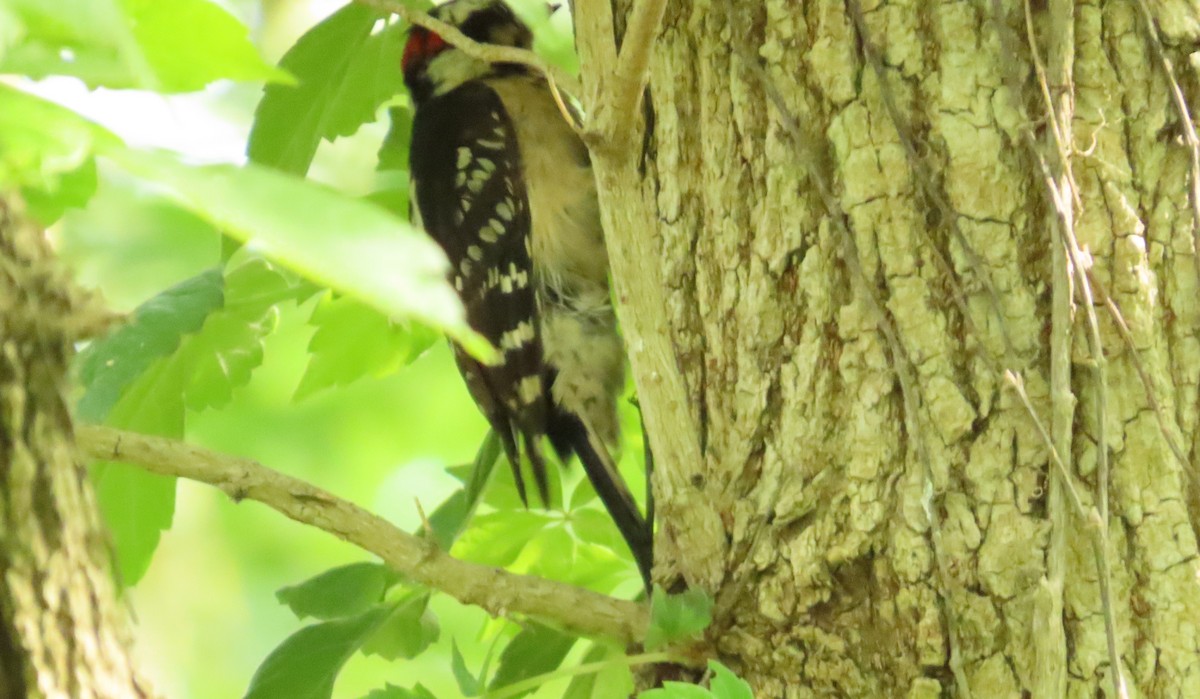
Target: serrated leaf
(393,153)
(191,43)
(143,376)
(108,366)
(344,243)
(345,73)
(306,665)
(726,685)
(536,650)
(597,527)
(498,538)
(677,617)
(222,355)
(163,45)
(450,518)
(353,340)
(91,40)
(47,151)
(137,505)
(613,681)
(677,690)
(338,592)
(410,629)
(391,691)
(468,683)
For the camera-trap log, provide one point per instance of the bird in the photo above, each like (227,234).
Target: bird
(504,185)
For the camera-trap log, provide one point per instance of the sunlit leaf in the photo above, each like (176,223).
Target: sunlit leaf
(306,665)
(614,681)
(677,617)
(108,366)
(677,690)
(353,340)
(468,683)
(391,691)
(498,538)
(726,685)
(339,241)
(536,650)
(410,629)
(138,505)
(47,152)
(191,43)
(344,74)
(450,518)
(338,592)
(229,347)
(164,45)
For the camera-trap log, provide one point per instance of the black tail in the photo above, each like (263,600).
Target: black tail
(569,434)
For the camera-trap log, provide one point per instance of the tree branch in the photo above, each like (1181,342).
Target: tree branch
(484,52)
(499,592)
(616,96)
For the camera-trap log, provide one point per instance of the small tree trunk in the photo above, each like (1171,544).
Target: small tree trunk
(825,271)
(63,632)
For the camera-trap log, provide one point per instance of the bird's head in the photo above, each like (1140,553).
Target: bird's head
(433,66)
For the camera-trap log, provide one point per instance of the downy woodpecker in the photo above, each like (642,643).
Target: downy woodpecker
(505,186)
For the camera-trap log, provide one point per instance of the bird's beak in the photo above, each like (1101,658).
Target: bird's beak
(553,7)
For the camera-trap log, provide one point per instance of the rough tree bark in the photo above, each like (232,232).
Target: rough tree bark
(836,239)
(63,632)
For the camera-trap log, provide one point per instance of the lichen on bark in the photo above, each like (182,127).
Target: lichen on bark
(867,549)
(63,632)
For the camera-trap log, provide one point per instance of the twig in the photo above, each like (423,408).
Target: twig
(499,592)
(1185,120)
(633,63)
(485,52)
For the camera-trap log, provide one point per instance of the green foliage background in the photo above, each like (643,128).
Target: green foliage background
(296,324)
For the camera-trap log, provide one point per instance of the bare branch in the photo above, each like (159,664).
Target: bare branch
(633,64)
(499,592)
(484,52)
(616,97)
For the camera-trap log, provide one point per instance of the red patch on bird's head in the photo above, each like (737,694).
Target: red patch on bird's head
(422,46)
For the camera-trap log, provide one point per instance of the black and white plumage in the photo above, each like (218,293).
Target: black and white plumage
(506,188)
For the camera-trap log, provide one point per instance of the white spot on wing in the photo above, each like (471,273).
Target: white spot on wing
(517,337)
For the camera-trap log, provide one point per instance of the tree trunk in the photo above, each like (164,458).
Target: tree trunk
(62,631)
(833,246)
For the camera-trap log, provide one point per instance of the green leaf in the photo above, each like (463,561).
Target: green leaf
(345,73)
(47,152)
(138,505)
(344,243)
(353,340)
(726,685)
(229,347)
(536,650)
(88,39)
(339,592)
(145,374)
(191,43)
(306,665)
(108,366)
(498,538)
(614,681)
(410,629)
(162,45)
(596,527)
(391,691)
(677,617)
(677,690)
(450,518)
(468,683)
